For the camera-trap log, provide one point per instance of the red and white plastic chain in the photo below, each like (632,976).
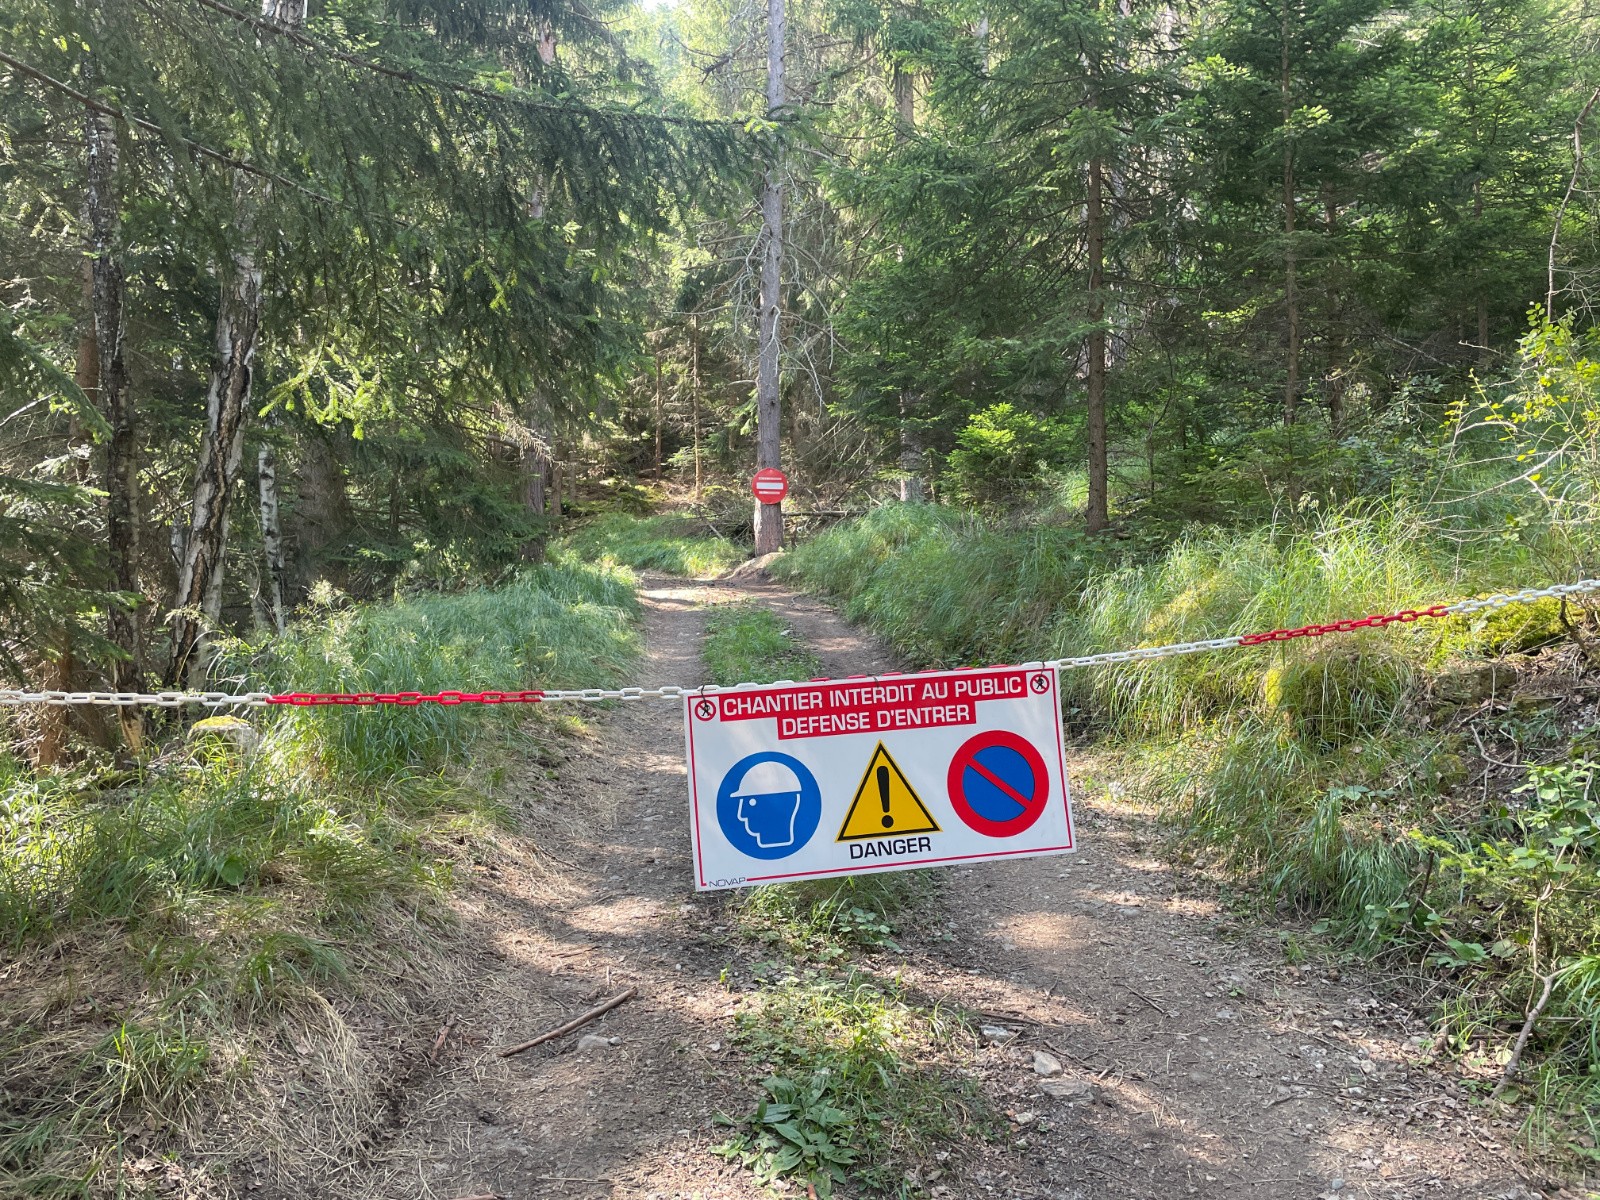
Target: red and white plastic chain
(215,700)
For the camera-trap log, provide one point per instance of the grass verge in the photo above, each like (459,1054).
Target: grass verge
(859,1085)
(746,643)
(196,950)
(678,545)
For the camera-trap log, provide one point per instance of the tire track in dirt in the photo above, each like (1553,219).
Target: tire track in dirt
(1204,1068)
(610,907)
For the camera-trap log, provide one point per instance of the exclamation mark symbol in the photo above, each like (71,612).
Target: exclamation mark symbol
(883,796)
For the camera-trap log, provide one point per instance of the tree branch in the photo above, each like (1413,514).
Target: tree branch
(405,75)
(1561,212)
(204,151)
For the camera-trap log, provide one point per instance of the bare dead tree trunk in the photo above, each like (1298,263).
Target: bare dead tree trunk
(1097,517)
(272,536)
(1566,199)
(769,400)
(1291,297)
(124,621)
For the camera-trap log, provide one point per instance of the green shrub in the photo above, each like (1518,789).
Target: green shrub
(1000,457)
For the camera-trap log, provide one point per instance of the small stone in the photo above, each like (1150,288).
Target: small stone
(1025,1118)
(591,1042)
(997,1035)
(1073,1091)
(1047,1065)
(233,733)
(1336,1184)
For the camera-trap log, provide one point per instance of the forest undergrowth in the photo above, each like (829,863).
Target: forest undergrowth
(193,940)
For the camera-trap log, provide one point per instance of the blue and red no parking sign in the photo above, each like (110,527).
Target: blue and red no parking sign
(998,784)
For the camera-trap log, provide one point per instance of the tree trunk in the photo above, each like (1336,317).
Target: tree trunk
(769,409)
(124,621)
(53,719)
(1338,369)
(694,396)
(272,537)
(658,416)
(204,550)
(322,516)
(535,495)
(535,477)
(1291,298)
(911,490)
(198,603)
(1097,516)
(911,461)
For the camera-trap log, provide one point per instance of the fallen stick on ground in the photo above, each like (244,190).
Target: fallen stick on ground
(444,1032)
(582,1019)
(1549,982)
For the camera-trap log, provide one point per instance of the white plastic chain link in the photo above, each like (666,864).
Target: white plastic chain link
(1461,608)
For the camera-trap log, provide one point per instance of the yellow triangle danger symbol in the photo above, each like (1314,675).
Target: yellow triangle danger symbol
(886,805)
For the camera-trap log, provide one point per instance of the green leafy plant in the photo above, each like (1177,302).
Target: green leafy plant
(795,1132)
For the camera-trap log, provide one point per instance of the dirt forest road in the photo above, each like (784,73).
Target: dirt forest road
(1208,1069)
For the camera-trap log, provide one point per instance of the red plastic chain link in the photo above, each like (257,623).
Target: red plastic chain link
(408,699)
(1405,616)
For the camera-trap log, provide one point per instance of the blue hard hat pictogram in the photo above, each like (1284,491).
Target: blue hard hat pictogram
(768,805)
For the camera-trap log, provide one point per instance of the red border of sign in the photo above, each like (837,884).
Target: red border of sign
(958,796)
(769,473)
(900,865)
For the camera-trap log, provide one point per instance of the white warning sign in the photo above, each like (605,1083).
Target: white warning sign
(802,781)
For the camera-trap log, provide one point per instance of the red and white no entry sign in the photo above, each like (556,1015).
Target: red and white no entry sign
(769,485)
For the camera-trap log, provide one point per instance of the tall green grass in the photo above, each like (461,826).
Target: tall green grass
(561,625)
(676,544)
